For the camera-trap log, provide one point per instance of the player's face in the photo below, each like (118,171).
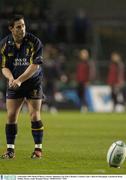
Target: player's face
(18,30)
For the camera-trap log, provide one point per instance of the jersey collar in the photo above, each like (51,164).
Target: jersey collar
(11,40)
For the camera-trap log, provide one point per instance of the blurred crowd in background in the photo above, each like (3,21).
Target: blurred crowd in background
(51,27)
(77,52)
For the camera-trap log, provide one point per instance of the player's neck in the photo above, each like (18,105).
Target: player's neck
(18,45)
(18,42)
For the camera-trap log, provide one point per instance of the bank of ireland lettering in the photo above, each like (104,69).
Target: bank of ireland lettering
(21,62)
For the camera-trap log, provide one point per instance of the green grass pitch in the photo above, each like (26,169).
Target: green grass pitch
(74,143)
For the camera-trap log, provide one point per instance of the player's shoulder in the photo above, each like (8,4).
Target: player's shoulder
(34,39)
(4,41)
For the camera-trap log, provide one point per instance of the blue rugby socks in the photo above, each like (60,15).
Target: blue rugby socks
(11,131)
(37,133)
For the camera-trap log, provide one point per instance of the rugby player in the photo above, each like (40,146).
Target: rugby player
(21,57)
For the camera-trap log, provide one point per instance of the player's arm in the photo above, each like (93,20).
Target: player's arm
(29,72)
(8,75)
(4,64)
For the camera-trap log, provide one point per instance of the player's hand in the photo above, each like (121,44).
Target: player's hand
(16,84)
(10,82)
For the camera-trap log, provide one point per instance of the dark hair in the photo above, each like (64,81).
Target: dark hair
(14,18)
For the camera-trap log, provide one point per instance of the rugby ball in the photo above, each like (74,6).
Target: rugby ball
(116,154)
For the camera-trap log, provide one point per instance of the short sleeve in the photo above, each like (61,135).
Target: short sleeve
(38,53)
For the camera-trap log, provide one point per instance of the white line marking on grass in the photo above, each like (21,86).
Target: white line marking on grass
(99,171)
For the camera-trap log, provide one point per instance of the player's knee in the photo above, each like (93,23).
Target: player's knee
(12,117)
(35,115)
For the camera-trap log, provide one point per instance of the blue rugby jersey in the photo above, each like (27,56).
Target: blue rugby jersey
(17,60)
